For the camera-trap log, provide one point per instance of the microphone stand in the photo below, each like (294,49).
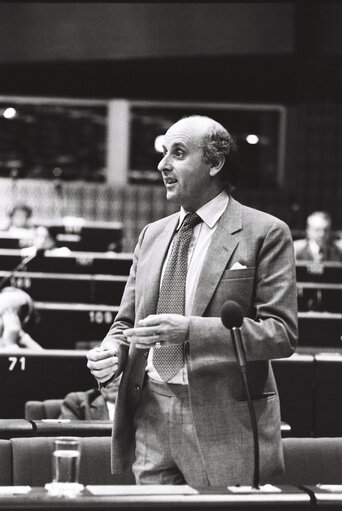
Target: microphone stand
(22,263)
(241,359)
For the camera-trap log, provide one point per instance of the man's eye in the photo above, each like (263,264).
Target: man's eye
(179,153)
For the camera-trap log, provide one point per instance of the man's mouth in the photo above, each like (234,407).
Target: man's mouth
(170,181)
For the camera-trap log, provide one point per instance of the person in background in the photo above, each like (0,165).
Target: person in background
(181,415)
(16,308)
(43,239)
(19,220)
(93,404)
(319,245)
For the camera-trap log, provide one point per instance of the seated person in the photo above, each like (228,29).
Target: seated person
(16,308)
(318,245)
(42,239)
(93,404)
(19,221)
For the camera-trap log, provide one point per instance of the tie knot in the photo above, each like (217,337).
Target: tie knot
(191,220)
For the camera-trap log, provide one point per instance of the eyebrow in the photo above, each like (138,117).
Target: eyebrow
(175,145)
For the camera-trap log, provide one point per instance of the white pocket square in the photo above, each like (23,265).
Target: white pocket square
(238,266)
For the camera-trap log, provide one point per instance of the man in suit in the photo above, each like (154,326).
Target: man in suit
(192,425)
(92,404)
(318,245)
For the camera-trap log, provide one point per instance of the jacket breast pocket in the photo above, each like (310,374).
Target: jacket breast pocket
(236,285)
(243,273)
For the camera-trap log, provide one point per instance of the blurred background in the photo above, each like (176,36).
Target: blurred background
(87,88)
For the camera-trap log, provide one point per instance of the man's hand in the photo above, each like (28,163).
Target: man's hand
(11,328)
(165,329)
(102,362)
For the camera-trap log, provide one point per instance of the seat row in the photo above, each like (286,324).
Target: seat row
(27,461)
(63,325)
(309,386)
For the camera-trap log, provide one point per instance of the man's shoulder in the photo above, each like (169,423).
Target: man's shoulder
(83,395)
(261,219)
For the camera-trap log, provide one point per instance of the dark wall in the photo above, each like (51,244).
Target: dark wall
(95,30)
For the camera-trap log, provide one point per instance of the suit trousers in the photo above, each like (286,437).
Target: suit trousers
(167,449)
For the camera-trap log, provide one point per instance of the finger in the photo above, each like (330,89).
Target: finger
(102,364)
(141,332)
(103,376)
(151,320)
(101,353)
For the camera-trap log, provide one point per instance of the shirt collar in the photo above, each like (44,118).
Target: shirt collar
(211,212)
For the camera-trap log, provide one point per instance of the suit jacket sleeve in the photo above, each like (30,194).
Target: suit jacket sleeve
(126,315)
(271,332)
(71,407)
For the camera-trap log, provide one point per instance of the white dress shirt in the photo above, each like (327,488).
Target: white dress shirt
(210,213)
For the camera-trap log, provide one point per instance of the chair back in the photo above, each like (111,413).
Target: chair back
(5,463)
(32,461)
(38,410)
(310,461)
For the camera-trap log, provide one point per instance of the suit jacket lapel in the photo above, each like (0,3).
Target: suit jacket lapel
(154,265)
(222,246)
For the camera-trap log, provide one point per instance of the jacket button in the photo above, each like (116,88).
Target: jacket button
(137,387)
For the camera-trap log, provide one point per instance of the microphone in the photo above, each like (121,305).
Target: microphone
(232,319)
(36,252)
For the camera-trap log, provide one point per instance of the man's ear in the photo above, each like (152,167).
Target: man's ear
(216,166)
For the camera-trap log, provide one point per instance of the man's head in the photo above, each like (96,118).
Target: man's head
(318,227)
(195,152)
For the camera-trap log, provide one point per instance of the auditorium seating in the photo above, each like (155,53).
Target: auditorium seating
(32,375)
(61,325)
(57,287)
(27,461)
(107,263)
(18,428)
(84,236)
(32,462)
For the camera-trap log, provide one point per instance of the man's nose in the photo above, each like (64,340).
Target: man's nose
(164,164)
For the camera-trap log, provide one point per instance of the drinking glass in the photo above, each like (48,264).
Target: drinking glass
(65,466)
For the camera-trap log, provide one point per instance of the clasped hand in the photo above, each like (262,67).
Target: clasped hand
(163,329)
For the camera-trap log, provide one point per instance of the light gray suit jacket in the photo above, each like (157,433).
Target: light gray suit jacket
(266,291)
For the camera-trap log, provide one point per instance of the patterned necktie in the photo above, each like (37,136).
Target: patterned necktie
(168,360)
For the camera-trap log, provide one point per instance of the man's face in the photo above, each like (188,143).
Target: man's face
(318,230)
(185,174)
(20,218)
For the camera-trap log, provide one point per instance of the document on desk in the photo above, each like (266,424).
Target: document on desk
(149,489)
(14,490)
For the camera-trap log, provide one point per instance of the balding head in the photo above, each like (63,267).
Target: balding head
(214,140)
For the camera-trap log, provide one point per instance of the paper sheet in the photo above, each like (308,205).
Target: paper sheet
(266,488)
(13,490)
(148,489)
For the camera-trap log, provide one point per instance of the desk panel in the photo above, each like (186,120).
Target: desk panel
(55,287)
(76,262)
(63,325)
(328,410)
(320,329)
(295,382)
(31,375)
